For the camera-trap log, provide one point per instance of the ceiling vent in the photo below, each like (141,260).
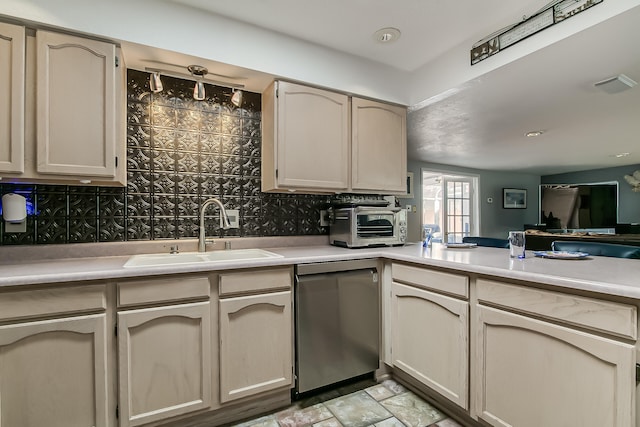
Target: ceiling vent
(616,84)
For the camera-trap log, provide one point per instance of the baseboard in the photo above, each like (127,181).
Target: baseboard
(232,413)
(460,415)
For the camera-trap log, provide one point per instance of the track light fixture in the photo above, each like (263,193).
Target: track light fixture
(236,98)
(196,73)
(155,83)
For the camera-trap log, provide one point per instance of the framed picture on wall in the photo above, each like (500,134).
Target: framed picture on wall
(514,198)
(409,194)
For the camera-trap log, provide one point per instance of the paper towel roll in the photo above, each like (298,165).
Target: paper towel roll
(14,207)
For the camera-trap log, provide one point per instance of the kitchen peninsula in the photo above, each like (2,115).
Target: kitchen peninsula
(506,330)
(609,276)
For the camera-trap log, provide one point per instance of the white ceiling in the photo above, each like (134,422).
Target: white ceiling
(483,124)
(429,27)
(480,124)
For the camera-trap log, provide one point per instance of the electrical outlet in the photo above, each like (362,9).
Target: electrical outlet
(19,227)
(234,218)
(324,220)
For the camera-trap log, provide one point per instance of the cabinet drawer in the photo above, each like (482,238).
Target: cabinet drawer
(605,316)
(149,291)
(421,277)
(52,301)
(253,281)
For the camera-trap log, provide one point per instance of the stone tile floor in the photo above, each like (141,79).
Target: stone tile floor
(363,404)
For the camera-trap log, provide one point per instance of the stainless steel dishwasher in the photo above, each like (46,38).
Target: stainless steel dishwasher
(337,313)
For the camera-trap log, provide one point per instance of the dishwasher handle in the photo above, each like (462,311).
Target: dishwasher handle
(336,266)
(308,277)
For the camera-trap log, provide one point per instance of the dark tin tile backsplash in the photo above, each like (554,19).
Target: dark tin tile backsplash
(179,153)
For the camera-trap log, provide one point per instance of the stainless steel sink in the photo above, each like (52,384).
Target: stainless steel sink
(149,260)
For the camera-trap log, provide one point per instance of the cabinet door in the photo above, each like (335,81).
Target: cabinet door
(164,356)
(76,106)
(311,138)
(430,340)
(54,373)
(379,147)
(12,69)
(534,373)
(255,344)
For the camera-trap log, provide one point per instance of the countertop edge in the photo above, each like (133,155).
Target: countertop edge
(482,261)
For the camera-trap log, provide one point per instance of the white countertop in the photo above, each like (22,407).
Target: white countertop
(610,276)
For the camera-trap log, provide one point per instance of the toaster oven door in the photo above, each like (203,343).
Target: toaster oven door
(375,224)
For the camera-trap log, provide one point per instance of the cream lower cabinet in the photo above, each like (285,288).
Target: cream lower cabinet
(430,331)
(54,372)
(532,372)
(256,333)
(164,352)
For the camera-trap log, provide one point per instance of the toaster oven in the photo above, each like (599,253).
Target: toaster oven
(367,226)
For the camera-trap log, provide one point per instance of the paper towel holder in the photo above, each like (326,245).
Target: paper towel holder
(14,213)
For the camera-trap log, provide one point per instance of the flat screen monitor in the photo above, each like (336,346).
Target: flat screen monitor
(579,206)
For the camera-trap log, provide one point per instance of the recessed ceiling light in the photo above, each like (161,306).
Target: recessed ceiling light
(386,35)
(534,133)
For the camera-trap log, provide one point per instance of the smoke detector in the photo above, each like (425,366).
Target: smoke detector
(616,84)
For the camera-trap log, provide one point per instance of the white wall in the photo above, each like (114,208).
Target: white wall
(494,220)
(190,31)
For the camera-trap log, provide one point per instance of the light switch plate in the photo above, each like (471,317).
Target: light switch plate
(324,221)
(234,218)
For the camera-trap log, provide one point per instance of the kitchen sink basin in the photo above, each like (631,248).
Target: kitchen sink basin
(149,260)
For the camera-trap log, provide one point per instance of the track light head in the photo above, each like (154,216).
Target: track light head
(155,83)
(199,92)
(236,98)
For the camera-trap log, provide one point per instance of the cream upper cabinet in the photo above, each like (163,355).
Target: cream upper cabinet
(54,368)
(305,139)
(319,141)
(12,74)
(533,372)
(430,331)
(76,106)
(164,352)
(256,333)
(67,110)
(378,147)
